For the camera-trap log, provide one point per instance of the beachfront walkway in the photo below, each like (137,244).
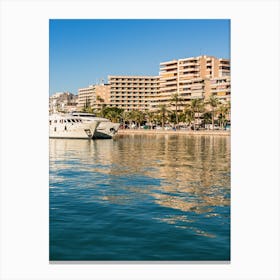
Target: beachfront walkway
(165,132)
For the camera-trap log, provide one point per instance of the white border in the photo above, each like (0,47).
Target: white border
(255,137)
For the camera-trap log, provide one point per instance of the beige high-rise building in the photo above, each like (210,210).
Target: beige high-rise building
(94,96)
(133,92)
(190,78)
(102,93)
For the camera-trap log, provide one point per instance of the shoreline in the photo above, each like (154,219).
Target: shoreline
(173,132)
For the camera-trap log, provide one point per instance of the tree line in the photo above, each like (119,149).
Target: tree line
(195,113)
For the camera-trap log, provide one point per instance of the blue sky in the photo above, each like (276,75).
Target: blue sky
(83,52)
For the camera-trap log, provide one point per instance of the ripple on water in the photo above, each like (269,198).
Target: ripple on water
(140,198)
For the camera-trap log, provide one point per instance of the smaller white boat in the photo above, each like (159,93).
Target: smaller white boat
(68,126)
(105,130)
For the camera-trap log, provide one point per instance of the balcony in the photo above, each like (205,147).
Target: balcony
(168,83)
(190,63)
(174,87)
(166,73)
(197,95)
(220,91)
(168,63)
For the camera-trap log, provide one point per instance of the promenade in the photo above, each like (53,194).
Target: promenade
(171,132)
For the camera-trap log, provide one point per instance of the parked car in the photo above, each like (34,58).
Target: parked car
(209,126)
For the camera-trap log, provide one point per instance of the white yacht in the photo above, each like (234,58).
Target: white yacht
(105,130)
(68,126)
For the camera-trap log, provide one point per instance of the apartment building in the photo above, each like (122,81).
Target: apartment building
(224,68)
(102,93)
(220,87)
(94,96)
(86,97)
(190,78)
(133,92)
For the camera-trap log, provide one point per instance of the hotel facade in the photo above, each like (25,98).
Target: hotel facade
(133,92)
(193,77)
(189,78)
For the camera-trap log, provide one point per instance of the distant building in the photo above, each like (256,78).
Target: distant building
(94,96)
(85,97)
(62,102)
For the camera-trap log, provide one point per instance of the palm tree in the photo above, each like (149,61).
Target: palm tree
(194,108)
(132,117)
(223,112)
(103,105)
(228,105)
(100,99)
(113,116)
(102,112)
(214,103)
(189,116)
(163,114)
(150,117)
(125,115)
(177,102)
(207,118)
(87,107)
(138,117)
(113,113)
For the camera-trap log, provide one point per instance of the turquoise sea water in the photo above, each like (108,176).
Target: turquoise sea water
(140,198)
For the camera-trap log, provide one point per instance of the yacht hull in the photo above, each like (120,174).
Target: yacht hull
(79,131)
(106,130)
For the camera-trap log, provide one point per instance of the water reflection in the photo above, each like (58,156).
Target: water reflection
(190,174)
